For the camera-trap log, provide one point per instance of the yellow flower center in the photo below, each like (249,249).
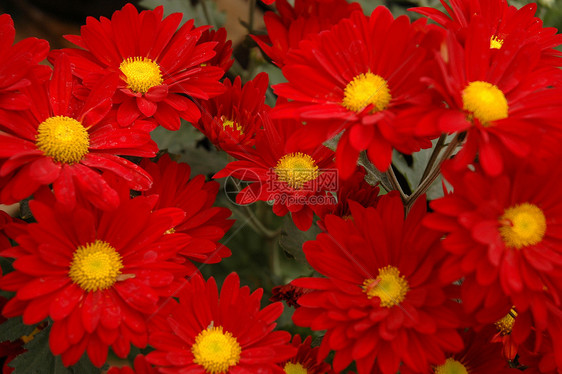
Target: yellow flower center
(495,42)
(141,74)
(366,89)
(505,324)
(484,101)
(63,138)
(215,350)
(95,266)
(522,225)
(294,368)
(389,286)
(296,169)
(451,366)
(234,126)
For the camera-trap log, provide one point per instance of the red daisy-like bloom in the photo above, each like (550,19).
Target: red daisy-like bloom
(293,178)
(140,366)
(294,23)
(98,275)
(381,301)
(355,188)
(223,48)
(67,142)
(478,356)
(205,332)
(354,79)
(287,293)
(232,119)
(5,220)
(500,20)
(503,335)
(500,98)
(537,357)
(159,65)
(306,360)
(204,223)
(19,64)
(502,235)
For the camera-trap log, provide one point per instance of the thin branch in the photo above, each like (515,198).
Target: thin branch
(395,184)
(434,155)
(432,176)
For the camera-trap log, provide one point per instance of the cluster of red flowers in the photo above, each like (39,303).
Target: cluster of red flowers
(472,284)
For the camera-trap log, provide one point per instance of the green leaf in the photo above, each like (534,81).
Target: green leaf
(38,359)
(292,239)
(13,329)
(414,172)
(196,12)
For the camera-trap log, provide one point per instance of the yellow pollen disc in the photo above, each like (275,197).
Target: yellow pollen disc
(522,225)
(233,125)
(505,324)
(141,74)
(451,366)
(64,139)
(296,169)
(484,101)
(170,231)
(216,351)
(366,89)
(495,42)
(95,266)
(389,286)
(294,368)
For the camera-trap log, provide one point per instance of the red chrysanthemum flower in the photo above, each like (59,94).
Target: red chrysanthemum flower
(293,178)
(287,293)
(537,357)
(351,78)
(204,223)
(232,119)
(500,20)
(381,301)
(502,234)
(355,188)
(98,275)
(5,220)
(503,238)
(306,360)
(19,64)
(160,66)
(500,98)
(205,332)
(223,48)
(479,355)
(140,366)
(503,335)
(67,142)
(295,23)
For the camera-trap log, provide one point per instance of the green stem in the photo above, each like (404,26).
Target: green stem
(259,226)
(251,16)
(434,155)
(382,178)
(206,13)
(395,184)
(433,174)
